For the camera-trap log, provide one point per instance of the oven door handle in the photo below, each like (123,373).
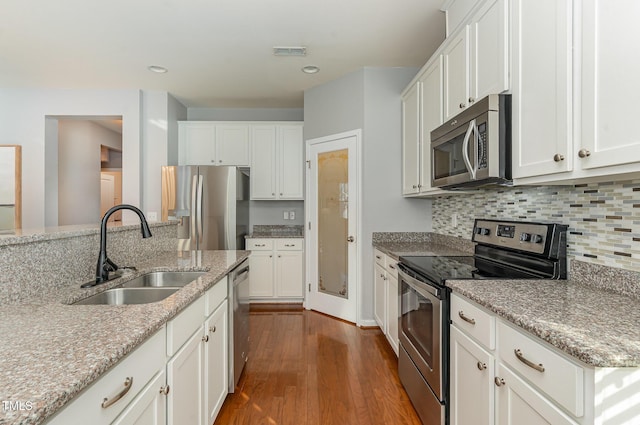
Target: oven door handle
(465,148)
(415,283)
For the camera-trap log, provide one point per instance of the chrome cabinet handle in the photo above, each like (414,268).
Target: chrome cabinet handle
(499,381)
(205,338)
(583,153)
(391,265)
(128,383)
(289,244)
(481,366)
(465,318)
(557,157)
(378,257)
(212,329)
(165,390)
(539,367)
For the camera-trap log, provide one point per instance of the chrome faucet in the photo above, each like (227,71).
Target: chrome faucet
(105,265)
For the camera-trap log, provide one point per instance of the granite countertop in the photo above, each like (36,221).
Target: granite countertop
(596,326)
(276,231)
(51,350)
(424,249)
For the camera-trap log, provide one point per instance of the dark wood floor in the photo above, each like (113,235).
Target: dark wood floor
(308,368)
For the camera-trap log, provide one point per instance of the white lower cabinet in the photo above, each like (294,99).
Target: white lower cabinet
(179,376)
(149,407)
(277,269)
(501,375)
(386,301)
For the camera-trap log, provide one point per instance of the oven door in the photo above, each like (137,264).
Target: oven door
(421,321)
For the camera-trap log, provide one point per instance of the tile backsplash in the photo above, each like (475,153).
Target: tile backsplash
(603,218)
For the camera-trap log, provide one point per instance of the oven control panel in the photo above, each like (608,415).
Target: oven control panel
(523,236)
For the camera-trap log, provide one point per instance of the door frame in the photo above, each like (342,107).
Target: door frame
(311,239)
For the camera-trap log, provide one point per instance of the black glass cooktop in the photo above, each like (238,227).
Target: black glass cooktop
(439,269)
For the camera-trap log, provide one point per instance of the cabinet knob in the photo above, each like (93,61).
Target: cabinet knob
(213,160)
(351,239)
(205,338)
(462,105)
(212,329)
(557,157)
(472,99)
(583,153)
(273,194)
(415,186)
(454,122)
(481,366)
(165,390)
(498,381)
(220,160)
(280,193)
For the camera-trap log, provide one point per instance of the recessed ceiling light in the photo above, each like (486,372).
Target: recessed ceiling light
(290,51)
(157,69)
(310,69)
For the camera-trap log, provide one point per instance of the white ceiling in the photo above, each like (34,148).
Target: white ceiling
(218,52)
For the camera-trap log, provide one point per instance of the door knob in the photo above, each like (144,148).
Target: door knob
(351,239)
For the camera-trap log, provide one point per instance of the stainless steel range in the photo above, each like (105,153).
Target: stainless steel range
(504,250)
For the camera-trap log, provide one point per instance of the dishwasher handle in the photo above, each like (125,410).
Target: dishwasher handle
(240,276)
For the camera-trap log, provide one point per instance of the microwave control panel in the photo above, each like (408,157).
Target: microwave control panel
(482,145)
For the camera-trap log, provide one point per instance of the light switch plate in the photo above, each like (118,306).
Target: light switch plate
(285,215)
(152,216)
(292,215)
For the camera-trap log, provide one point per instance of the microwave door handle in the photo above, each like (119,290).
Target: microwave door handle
(465,149)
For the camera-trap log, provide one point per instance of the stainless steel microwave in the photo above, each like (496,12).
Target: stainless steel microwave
(474,148)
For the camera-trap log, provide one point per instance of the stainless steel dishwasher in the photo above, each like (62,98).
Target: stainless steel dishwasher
(238,322)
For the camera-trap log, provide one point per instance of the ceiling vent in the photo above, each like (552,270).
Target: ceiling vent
(290,51)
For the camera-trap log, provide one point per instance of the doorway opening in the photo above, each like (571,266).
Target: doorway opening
(83,168)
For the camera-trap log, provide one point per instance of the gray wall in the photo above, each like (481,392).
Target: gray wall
(271,212)
(245,114)
(370,99)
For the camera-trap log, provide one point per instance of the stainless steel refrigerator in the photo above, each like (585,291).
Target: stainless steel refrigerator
(211,204)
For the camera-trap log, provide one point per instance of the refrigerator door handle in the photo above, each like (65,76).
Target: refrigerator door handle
(192,215)
(199,217)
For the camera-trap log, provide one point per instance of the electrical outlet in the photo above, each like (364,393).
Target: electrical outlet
(152,216)
(454,220)
(285,215)
(292,215)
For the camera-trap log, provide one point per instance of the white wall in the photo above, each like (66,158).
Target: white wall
(245,114)
(22,122)
(79,144)
(370,99)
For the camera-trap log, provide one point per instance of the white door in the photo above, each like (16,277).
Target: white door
(410,140)
(184,377)
(332,224)
(107,193)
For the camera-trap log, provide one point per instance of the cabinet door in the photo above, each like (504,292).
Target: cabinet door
(263,162)
(197,143)
(149,407)
(232,144)
(456,73)
(542,87)
(392,311)
(410,140)
(216,366)
(489,50)
(291,167)
(472,387)
(610,83)
(431,99)
(184,376)
(261,264)
(379,297)
(518,403)
(289,277)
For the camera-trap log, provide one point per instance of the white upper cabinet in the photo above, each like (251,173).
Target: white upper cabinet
(542,82)
(277,167)
(411,141)
(456,73)
(610,84)
(489,64)
(211,143)
(232,144)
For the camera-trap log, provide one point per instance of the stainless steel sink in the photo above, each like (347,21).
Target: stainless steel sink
(121,296)
(163,279)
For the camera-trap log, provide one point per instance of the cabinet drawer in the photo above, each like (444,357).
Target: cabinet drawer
(259,244)
(473,321)
(181,327)
(391,265)
(289,244)
(379,257)
(140,366)
(216,295)
(545,369)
